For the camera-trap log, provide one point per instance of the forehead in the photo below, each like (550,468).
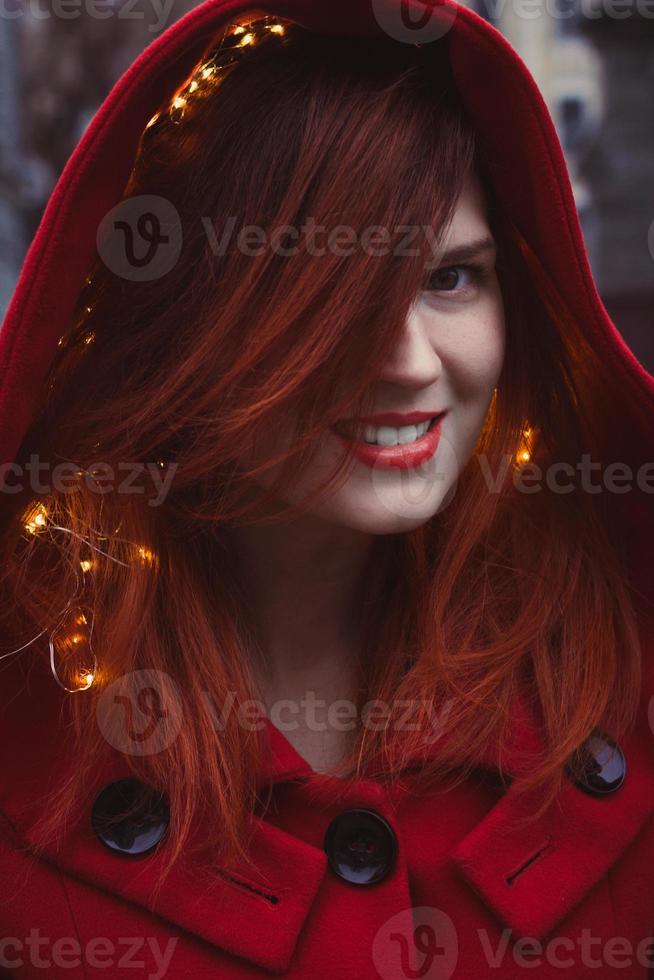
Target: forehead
(470,218)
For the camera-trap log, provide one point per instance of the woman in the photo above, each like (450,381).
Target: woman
(328,626)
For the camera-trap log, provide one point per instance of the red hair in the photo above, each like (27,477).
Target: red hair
(498,592)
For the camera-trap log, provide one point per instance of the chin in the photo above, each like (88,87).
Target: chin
(371,514)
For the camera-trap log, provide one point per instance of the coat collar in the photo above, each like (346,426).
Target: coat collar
(521,867)
(520,870)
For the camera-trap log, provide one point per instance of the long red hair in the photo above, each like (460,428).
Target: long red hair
(499,592)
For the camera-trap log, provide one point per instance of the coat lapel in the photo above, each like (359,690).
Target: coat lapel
(532,873)
(533,876)
(255,912)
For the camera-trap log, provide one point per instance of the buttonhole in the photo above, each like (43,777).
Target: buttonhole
(272,899)
(544,849)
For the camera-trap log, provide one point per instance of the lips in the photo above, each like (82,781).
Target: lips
(402,456)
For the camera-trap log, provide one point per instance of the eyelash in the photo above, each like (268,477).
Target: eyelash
(479,274)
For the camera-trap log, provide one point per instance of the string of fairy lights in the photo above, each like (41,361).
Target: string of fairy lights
(211,72)
(70,639)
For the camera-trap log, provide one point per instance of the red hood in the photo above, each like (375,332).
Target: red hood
(517,135)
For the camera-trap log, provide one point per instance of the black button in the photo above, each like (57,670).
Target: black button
(361,847)
(130,817)
(600,768)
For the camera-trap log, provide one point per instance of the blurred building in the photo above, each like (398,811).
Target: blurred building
(594,63)
(12,233)
(55,71)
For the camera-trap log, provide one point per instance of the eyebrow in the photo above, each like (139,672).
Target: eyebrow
(470,250)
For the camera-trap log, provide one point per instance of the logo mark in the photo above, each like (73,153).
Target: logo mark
(140,713)
(414,21)
(416,944)
(141,238)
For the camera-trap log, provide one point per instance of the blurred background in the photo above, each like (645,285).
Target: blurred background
(593,61)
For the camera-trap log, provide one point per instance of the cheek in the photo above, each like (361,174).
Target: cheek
(474,350)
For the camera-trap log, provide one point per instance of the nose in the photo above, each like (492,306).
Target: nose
(414,362)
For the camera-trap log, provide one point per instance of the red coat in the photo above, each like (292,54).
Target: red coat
(347,884)
(456,878)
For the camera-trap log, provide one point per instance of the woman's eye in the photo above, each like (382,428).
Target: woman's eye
(452,279)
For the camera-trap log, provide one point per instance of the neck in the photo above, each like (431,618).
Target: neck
(303,582)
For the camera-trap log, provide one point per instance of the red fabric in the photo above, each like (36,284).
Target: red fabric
(586,866)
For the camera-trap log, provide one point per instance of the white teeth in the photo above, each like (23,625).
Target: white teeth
(386,435)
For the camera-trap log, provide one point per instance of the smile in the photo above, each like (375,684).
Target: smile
(387,446)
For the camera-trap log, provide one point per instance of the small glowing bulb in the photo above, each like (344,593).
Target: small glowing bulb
(525,456)
(238,30)
(90,337)
(193,86)
(76,638)
(36,518)
(246,39)
(208,71)
(86,679)
(146,556)
(80,619)
(276,29)
(152,120)
(179,102)
(60,341)
(86,565)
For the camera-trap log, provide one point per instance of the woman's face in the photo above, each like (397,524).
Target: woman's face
(448,361)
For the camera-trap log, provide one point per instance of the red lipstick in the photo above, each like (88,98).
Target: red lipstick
(401,456)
